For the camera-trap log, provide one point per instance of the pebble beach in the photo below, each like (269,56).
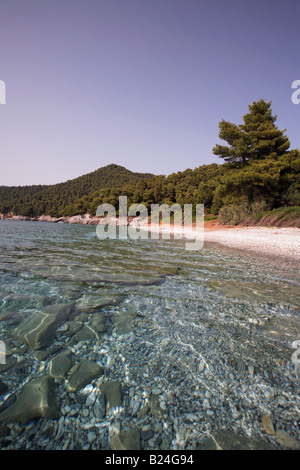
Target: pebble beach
(274,241)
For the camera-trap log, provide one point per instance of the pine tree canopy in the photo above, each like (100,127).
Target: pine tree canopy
(257,138)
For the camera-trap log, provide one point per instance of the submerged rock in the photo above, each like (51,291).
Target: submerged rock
(143,412)
(83,374)
(15,303)
(147,433)
(227,440)
(86,334)
(126,440)
(3,387)
(286,440)
(100,406)
(8,364)
(60,365)
(99,324)
(123,320)
(36,401)
(94,301)
(74,327)
(38,329)
(268,425)
(40,354)
(112,392)
(9,400)
(155,408)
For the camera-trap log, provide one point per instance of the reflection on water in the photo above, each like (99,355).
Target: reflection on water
(217,320)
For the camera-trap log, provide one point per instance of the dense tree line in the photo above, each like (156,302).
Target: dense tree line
(258,166)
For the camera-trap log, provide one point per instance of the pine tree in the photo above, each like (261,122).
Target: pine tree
(267,141)
(257,139)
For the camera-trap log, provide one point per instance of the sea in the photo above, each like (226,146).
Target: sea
(196,343)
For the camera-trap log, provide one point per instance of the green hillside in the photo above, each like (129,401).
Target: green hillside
(60,199)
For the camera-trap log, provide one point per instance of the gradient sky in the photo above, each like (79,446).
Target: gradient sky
(139,83)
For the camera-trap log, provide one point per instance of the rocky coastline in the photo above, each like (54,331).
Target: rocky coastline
(84,219)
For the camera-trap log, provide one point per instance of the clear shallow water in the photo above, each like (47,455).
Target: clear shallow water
(214,325)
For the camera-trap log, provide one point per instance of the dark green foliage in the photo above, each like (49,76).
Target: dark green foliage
(258,138)
(259,167)
(275,181)
(83,195)
(69,198)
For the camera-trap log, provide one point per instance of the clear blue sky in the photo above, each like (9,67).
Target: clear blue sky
(139,83)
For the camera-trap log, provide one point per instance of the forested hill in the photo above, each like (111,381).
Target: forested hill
(60,199)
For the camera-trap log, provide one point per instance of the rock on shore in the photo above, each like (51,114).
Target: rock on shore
(85,219)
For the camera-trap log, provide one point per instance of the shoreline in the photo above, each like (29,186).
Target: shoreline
(274,241)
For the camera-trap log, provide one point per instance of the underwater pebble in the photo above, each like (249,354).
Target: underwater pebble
(91,437)
(206,403)
(91,399)
(191,401)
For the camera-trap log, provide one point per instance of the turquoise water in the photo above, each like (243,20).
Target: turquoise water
(216,324)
